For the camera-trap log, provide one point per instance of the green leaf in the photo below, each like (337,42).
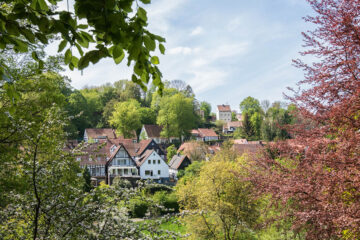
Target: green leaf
(12,28)
(142,14)
(157,37)
(68,56)
(28,35)
(62,45)
(43,5)
(74,61)
(83,62)
(146,1)
(42,38)
(149,43)
(82,26)
(33,4)
(79,49)
(155,60)
(117,51)
(35,56)
(162,48)
(120,58)
(41,64)
(20,45)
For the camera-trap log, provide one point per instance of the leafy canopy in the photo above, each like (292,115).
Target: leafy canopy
(110,30)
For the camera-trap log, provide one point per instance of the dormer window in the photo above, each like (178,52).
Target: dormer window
(149,161)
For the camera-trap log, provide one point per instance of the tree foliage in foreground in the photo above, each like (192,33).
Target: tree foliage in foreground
(25,24)
(221,203)
(318,172)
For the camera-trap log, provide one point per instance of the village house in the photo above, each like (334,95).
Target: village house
(230,127)
(177,163)
(154,132)
(152,166)
(121,164)
(136,149)
(204,135)
(223,113)
(97,134)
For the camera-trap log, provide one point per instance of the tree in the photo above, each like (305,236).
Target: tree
(206,107)
(250,104)
(27,23)
(176,115)
(221,203)
(77,107)
(126,118)
(87,180)
(317,171)
(251,107)
(246,130)
(171,151)
(147,115)
(233,116)
(275,123)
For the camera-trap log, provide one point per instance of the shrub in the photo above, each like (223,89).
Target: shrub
(138,208)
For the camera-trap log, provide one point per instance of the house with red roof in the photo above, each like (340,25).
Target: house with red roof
(97,134)
(121,164)
(152,131)
(177,163)
(152,166)
(223,113)
(230,127)
(204,134)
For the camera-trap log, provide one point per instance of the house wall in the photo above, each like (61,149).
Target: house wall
(206,139)
(122,165)
(155,167)
(223,116)
(154,146)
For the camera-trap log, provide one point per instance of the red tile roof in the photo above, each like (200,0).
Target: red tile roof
(205,132)
(144,156)
(240,141)
(233,124)
(153,131)
(224,108)
(134,148)
(247,148)
(176,161)
(95,133)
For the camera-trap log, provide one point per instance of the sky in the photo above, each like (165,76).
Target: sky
(226,50)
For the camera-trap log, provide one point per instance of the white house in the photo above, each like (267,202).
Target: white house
(223,113)
(152,166)
(121,164)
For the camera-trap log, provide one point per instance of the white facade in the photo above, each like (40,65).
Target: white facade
(122,165)
(154,167)
(223,116)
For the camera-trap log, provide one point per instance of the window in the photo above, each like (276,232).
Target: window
(126,171)
(158,161)
(154,161)
(159,172)
(149,161)
(148,172)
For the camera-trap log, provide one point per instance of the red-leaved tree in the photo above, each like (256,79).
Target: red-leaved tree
(317,173)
